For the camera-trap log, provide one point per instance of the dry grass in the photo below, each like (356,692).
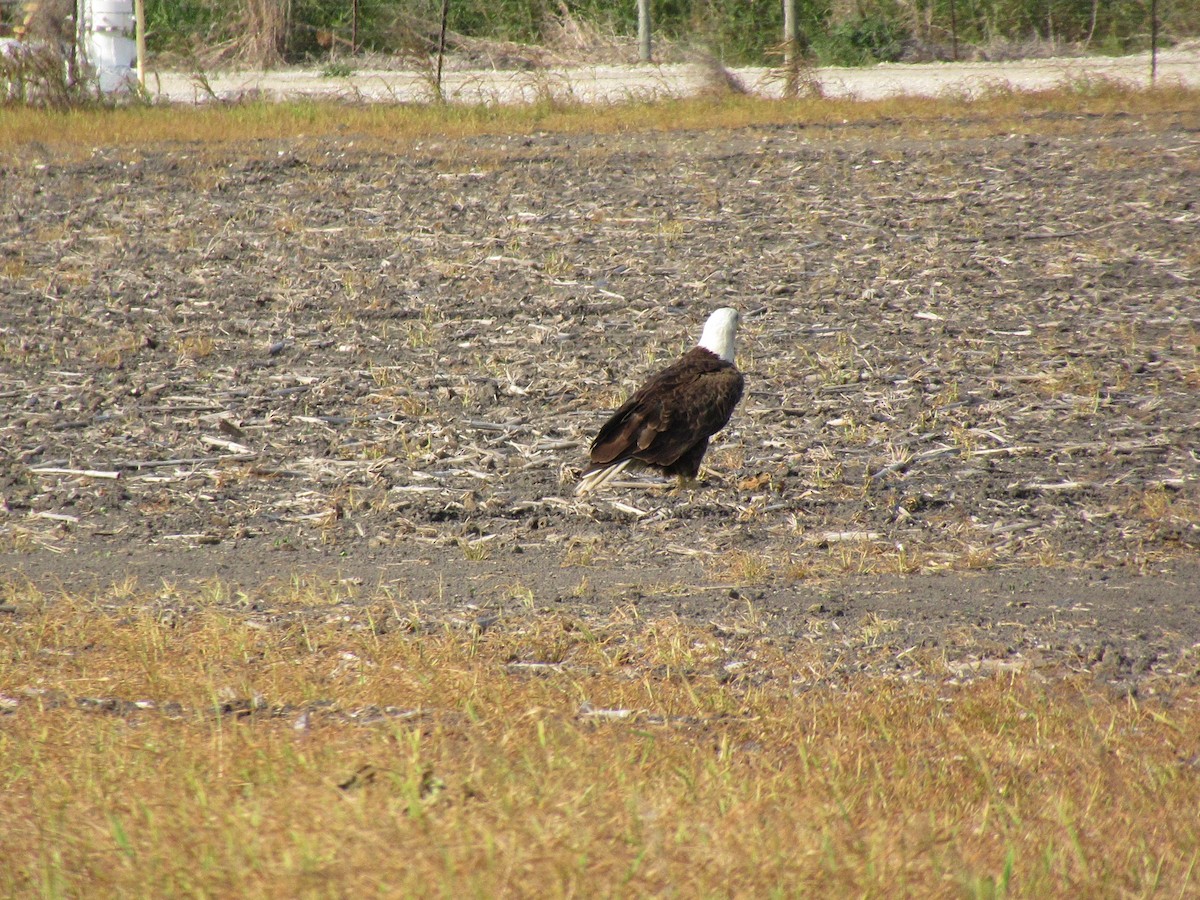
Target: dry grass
(1000,113)
(318,739)
(266,746)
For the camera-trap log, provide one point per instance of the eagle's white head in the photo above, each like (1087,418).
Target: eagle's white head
(719,332)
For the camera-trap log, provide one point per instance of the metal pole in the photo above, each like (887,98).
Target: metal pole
(644,48)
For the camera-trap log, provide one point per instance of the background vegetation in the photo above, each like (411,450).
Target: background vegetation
(841,32)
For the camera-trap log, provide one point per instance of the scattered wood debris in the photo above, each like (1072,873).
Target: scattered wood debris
(966,353)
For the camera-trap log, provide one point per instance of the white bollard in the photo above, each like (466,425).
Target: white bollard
(108,43)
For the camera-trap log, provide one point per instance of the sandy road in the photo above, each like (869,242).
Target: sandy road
(617,83)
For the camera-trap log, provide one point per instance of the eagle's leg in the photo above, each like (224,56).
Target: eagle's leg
(687,468)
(685,483)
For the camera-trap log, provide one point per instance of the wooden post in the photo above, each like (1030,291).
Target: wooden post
(954,28)
(791,55)
(442,48)
(644,46)
(286,42)
(76,61)
(139,23)
(1153,40)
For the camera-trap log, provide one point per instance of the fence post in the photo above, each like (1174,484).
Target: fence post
(441,50)
(1153,40)
(954,28)
(791,41)
(644,54)
(139,22)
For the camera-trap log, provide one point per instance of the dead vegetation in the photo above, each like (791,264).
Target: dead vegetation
(293,422)
(204,740)
(976,351)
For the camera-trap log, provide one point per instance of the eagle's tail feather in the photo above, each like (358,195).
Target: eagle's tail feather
(600,477)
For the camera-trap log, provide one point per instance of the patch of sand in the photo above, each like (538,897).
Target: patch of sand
(605,84)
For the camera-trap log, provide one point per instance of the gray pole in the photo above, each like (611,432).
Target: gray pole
(791,40)
(644,54)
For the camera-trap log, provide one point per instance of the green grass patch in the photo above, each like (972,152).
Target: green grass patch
(163,744)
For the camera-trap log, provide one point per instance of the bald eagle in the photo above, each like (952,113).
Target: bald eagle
(667,423)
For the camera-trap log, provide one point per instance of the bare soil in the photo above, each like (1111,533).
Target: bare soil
(970,428)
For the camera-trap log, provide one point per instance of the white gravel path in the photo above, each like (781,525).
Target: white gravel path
(617,83)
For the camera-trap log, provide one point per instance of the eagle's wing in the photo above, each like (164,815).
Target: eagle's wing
(670,413)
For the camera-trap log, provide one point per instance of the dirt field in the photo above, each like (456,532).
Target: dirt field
(972,368)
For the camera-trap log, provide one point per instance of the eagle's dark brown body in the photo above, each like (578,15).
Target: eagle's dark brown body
(667,423)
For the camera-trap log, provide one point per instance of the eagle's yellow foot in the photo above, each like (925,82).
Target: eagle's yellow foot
(683,483)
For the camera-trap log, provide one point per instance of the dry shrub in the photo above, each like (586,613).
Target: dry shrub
(579,40)
(36,74)
(50,21)
(40,70)
(715,79)
(256,37)
(265,33)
